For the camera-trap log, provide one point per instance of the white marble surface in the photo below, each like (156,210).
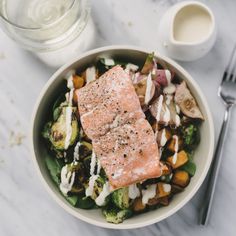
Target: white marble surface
(25,206)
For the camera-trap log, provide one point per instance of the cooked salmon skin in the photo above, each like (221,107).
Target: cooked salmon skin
(122,138)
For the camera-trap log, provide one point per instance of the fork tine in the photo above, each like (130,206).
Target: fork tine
(228,73)
(233,66)
(234,74)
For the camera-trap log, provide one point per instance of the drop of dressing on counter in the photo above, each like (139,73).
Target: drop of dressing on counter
(191,24)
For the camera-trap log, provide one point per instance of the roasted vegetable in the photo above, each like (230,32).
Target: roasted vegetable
(166,169)
(86,162)
(186,102)
(47,130)
(116,215)
(176,188)
(181,178)
(78,168)
(120,198)
(138,205)
(163,136)
(164,201)
(148,65)
(166,178)
(141,88)
(78,81)
(153,201)
(98,186)
(58,130)
(104,64)
(163,189)
(171,145)
(165,109)
(191,136)
(85,150)
(178,160)
(57,106)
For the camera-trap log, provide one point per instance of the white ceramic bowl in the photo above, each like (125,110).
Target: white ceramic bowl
(51,90)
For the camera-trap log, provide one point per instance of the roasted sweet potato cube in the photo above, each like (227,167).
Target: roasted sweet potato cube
(178,160)
(181,178)
(138,205)
(163,189)
(166,168)
(78,81)
(171,145)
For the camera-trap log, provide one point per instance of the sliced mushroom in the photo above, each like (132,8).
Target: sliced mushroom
(186,102)
(167,114)
(173,114)
(141,90)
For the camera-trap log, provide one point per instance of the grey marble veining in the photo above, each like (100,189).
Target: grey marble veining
(25,206)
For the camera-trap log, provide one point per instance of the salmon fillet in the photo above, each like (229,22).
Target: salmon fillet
(107,101)
(128,154)
(123,140)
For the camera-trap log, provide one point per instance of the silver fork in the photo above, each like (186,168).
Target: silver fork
(227,92)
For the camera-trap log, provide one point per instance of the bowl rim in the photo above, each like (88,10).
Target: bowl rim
(178,206)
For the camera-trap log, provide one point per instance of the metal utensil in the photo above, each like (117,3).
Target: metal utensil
(227,92)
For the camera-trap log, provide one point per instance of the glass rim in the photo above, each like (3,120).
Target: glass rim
(42,27)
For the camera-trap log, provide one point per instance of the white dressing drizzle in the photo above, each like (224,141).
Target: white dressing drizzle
(170,88)
(67,180)
(168,99)
(168,76)
(158,115)
(166,188)
(98,166)
(148,193)
(76,151)
(92,163)
(100,200)
(163,138)
(93,176)
(177,108)
(177,120)
(148,89)
(176,149)
(133,191)
(166,117)
(159,106)
(69,112)
(131,67)
(109,62)
(89,189)
(90,74)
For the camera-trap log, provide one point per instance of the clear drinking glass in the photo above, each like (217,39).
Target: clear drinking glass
(55,30)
